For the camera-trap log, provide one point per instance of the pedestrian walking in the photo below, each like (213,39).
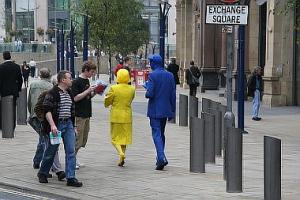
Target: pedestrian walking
(174,68)
(192,75)
(83,93)
(161,93)
(32,65)
(25,73)
(36,89)
(59,110)
(10,80)
(120,97)
(255,90)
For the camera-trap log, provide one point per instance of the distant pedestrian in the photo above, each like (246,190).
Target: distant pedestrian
(127,65)
(174,68)
(120,97)
(255,89)
(36,88)
(11,80)
(25,73)
(32,65)
(192,75)
(161,93)
(60,114)
(83,93)
(118,67)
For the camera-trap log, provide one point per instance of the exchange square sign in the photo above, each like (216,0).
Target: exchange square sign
(227,14)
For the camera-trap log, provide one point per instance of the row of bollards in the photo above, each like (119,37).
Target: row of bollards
(8,113)
(215,131)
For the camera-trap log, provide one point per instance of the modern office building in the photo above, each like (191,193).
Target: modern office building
(23,18)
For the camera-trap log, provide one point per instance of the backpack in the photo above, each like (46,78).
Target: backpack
(39,108)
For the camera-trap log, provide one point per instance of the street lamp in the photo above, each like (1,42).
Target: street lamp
(241,73)
(164,8)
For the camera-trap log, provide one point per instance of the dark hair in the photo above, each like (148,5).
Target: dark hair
(45,73)
(126,59)
(88,65)
(192,63)
(61,75)
(6,55)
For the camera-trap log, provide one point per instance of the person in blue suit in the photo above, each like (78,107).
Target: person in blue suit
(161,93)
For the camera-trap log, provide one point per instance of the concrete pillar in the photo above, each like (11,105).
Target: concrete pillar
(41,18)
(278,86)
(179,37)
(188,36)
(208,52)
(182,42)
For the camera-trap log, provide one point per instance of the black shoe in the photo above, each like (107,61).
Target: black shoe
(49,176)
(256,118)
(74,182)
(61,175)
(161,165)
(36,165)
(42,178)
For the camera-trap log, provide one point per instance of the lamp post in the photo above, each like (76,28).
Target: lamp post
(85,38)
(164,8)
(241,73)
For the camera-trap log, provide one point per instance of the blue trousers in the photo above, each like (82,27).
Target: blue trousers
(68,136)
(158,134)
(256,103)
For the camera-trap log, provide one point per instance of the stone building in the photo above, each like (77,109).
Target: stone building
(270,42)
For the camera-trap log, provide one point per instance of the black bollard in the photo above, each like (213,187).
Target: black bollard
(197,160)
(22,107)
(234,160)
(0,114)
(205,105)
(272,168)
(7,117)
(183,110)
(209,137)
(229,122)
(218,131)
(223,109)
(193,107)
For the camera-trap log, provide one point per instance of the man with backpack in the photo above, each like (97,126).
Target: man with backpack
(37,92)
(59,109)
(192,75)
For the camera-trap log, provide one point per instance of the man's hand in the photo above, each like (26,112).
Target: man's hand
(54,130)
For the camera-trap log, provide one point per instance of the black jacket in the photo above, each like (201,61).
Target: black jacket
(10,79)
(51,103)
(174,68)
(195,72)
(251,85)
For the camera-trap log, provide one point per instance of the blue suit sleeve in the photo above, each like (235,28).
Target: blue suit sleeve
(150,88)
(173,96)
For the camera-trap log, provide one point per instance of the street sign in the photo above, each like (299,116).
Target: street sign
(227,14)
(227,29)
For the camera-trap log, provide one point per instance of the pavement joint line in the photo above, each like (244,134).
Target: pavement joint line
(21,189)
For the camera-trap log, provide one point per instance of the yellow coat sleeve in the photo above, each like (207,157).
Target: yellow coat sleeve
(109,97)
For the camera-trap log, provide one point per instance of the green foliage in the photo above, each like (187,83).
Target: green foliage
(116,26)
(40,31)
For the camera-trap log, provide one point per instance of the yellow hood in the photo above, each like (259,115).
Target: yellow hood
(123,76)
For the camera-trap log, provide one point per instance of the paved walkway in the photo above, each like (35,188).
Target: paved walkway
(103,179)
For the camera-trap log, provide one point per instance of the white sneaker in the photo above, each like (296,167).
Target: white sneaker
(77,167)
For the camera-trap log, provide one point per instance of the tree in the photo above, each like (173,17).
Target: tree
(115,26)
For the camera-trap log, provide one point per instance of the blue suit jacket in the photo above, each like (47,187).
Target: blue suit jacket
(161,92)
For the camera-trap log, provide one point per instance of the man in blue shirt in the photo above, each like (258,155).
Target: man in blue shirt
(161,93)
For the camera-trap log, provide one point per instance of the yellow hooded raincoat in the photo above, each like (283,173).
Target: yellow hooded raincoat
(120,97)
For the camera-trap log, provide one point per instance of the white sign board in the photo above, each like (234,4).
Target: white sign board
(227,14)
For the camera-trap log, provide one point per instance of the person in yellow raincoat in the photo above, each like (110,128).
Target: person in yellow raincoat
(120,97)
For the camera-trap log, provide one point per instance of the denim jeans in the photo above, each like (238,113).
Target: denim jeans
(158,134)
(68,136)
(40,150)
(256,103)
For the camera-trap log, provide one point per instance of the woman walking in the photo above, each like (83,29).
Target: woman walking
(25,73)
(120,97)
